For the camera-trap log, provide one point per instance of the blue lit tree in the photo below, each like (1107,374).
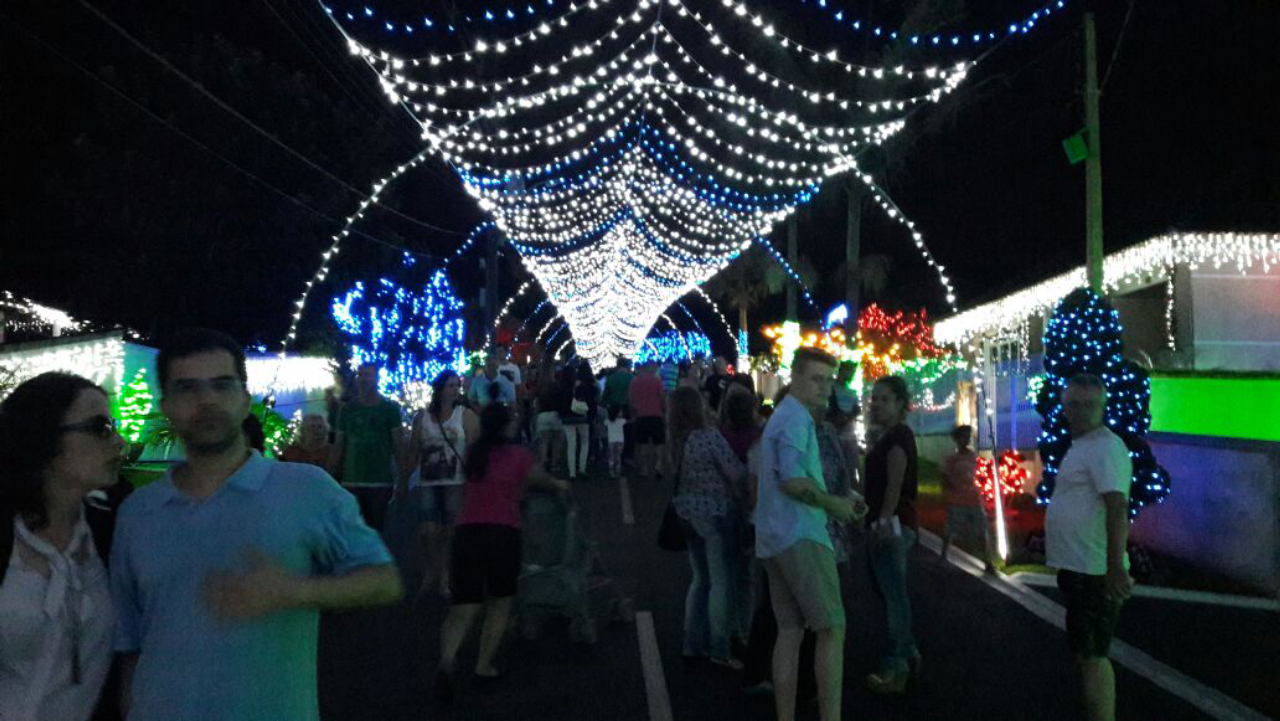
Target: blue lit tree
(1083,336)
(673,346)
(411,336)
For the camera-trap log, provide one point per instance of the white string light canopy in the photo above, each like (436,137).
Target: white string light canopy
(630,149)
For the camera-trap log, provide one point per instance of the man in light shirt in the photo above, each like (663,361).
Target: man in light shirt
(793,542)
(219,570)
(490,385)
(1086,530)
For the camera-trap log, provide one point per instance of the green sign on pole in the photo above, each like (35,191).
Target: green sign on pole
(1076,147)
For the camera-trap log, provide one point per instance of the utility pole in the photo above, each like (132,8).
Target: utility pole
(792,240)
(856,192)
(490,268)
(1093,164)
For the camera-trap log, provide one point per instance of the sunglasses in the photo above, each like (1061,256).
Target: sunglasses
(100,426)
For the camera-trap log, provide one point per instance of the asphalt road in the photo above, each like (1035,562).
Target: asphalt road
(985,656)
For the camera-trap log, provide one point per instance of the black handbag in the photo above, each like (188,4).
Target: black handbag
(671,533)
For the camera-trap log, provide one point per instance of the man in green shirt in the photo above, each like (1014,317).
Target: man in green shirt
(617,387)
(369,446)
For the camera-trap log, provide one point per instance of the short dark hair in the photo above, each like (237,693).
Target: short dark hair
(962,433)
(194,341)
(30,440)
(739,408)
(807,355)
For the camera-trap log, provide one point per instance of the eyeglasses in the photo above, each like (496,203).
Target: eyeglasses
(191,387)
(100,426)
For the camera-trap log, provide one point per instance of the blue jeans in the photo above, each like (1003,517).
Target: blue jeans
(709,605)
(888,557)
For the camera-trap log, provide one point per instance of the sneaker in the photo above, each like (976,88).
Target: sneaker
(758,688)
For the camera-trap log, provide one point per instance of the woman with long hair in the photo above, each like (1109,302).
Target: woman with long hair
(436,451)
(711,496)
(578,399)
(891,494)
(487,542)
(739,421)
(58,444)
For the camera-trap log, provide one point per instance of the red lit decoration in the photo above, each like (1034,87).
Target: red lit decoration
(1012,476)
(887,339)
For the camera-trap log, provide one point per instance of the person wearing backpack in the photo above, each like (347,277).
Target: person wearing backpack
(60,458)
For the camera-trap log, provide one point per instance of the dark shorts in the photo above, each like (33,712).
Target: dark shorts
(373,502)
(485,562)
(650,429)
(1091,615)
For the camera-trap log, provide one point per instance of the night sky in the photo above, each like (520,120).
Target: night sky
(130,197)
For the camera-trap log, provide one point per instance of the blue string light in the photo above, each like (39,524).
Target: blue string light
(410,336)
(490,16)
(674,346)
(954,39)
(804,290)
(1084,336)
(504,16)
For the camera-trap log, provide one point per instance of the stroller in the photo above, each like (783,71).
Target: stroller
(562,575)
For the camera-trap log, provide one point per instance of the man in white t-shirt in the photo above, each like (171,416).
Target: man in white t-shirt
(1086,530)
(507,367)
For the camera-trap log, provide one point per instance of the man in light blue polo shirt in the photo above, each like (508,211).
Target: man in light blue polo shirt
(792,539)
(220,568)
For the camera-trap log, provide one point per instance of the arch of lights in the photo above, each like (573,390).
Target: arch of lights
(631,149)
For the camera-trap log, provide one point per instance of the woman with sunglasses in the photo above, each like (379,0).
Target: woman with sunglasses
(58,444)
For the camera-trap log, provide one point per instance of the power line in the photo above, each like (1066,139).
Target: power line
(194,141)
(1115,52)
(360,101)
(239,116)
(315,30)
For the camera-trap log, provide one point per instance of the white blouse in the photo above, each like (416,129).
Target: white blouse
(49,625)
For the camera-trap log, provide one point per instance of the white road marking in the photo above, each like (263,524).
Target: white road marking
(1171,594)
(655,682)
(1209,700)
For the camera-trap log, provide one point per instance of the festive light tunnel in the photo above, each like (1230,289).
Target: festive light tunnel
(630,150)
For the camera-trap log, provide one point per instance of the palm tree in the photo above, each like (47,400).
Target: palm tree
(873,275)
(745,282)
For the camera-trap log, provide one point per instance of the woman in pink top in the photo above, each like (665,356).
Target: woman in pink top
(487,542)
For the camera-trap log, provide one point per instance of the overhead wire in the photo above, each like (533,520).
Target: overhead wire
(200,144)
(241,117)
(360,102)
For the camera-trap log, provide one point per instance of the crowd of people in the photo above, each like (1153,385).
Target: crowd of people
(197,596)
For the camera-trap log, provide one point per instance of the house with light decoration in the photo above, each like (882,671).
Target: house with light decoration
(1200,313)
(35,339)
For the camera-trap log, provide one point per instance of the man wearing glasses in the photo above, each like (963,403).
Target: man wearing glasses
(220,568)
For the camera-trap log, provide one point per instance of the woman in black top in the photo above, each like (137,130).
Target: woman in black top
(891,495)
(579,395)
